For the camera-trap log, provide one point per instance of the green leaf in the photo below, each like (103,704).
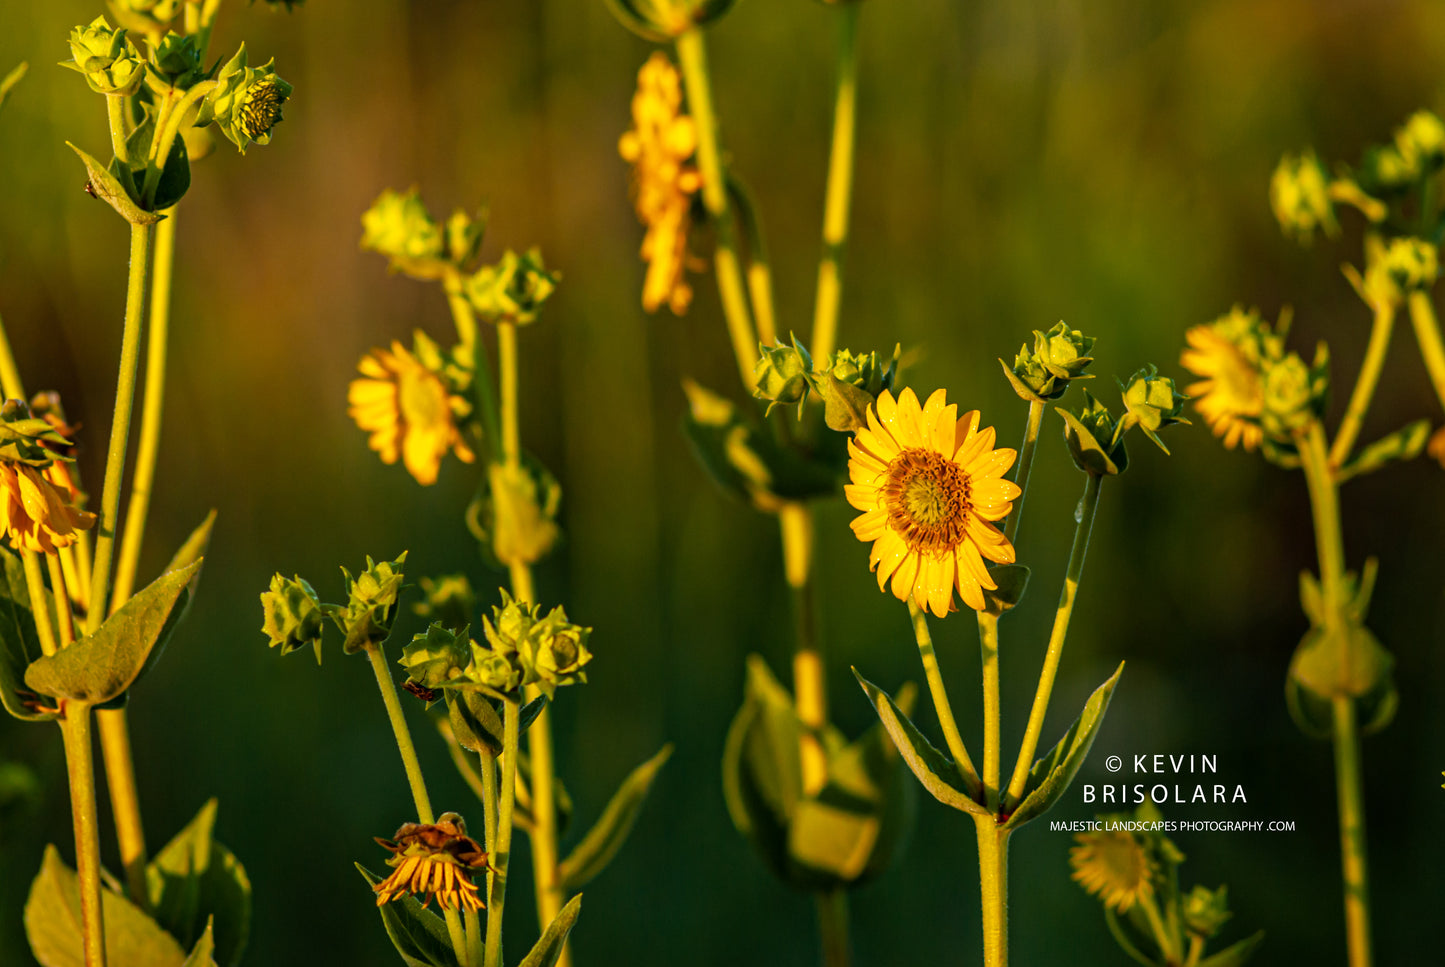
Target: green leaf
(605,838)
(1236,955)
(101,666)
(845,406)
(203,954)
(529,713)
(175,178)
(1404,444)
(195,882)
(1051,775)
(474,721)
(761,772)
(419,935)
(11,79)
(1348,660)
(1012,580)
(108,188)
(549,947)
(53,924)
(19,644)
(941,776)
(1097,457)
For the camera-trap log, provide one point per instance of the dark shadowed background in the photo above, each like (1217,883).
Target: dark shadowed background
(1018,162)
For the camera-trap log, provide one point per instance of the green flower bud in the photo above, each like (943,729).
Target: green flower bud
(1205,910)
(175,62)
(464,236)
(292,615)
(1299,195)
(494,670)
(1043,373)
(111,63)
(1095,438)
(1294,394)
(664,20)
(513,290)
(781,374)
(509,625)
(1421,142)
(1151,403)
(449,600)
(437,657)
(555,652)
(246,102)
(515,516)
(863,370)
(399,227)
(371,606)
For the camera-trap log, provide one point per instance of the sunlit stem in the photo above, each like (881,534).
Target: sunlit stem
(489,806)
(1088,505)
(10,381)
(1365,384)
(840,185)
(64,620)
(993,888)
(760,274)
(140,239)
(1427,333)
(1166,938)
(939,694)
(692,53)
(117,111)
(500,856)
(988,650)
(80,767)
(466,323)
(1025,467)
(173,110)
(35,583)
(810,697)
(833,927)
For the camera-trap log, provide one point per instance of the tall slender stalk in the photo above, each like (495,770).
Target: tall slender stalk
(939,694)
(833,927)
(500,858)
(1365,384)
(988,650)
(840,185)
(1427,333)
(80,766)
(1025,468)
(466,322)
(810,694)
(993,889)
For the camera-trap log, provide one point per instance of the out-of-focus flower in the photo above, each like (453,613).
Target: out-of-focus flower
(1299,194)
(1229,354)
(1114,866)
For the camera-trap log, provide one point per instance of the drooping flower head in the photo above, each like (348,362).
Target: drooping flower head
(37,495)
(409,409)
(433,860)
(1114,866)
(930,484)
(246,102)
(1231,354)
(659,146)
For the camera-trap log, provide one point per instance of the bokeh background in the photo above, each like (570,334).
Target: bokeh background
(1018,163)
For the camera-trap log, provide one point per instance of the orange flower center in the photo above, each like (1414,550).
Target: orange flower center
(927,499)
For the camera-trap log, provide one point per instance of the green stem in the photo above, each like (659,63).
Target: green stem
(501,855)
(168,125)
(120,781)
(939,694)
(833,927)
(810,695)
(152,407)
(35,584)
(80,766)
(1088,506)
(1196,950)
(116,110)
(507,380)
(1365,384)
(1348,784)
(1325,506)
(466,323)
(489,806)
(1427,333)
(399,728)
(475,939)
(840,186)
(1168,942)
(760,273)
(140,239)
(993,886)
(988,648)
(10,381)
(692,54)
(1025,467)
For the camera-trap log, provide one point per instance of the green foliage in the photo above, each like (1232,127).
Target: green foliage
(106,184)
(1404,444)
(19,643)
(1012,581)
(198,889)
(549,947)
(592,854)
(419,935)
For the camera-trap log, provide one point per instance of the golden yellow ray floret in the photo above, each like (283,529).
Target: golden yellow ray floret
(930,487)
(433,860)
(408,411)
(1230,397)
(36,508)
(1113,866)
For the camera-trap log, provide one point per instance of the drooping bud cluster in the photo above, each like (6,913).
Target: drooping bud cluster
(513,290)
(524,648)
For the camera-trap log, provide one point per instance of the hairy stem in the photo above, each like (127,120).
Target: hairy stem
(501,856)
(993,888)
(80,766)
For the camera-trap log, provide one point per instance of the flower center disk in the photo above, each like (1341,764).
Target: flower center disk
(927,496)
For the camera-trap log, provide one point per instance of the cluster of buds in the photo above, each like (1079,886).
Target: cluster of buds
(845,381)
(449,599)
(1096,438)
(1394,269)
(110,62)
(150,17)
(292,613)
(1059,356)
(1299,193)
(1417,151)
(513,290)
(246,102)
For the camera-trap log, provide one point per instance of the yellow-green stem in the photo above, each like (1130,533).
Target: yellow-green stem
(833,927)
(993,887)
(939,694)
(1348,783)
(1196,950)
(500,857)
(64,620)
(120,127)
(692,53)
(1088,505)
(10,381)
(489,806)
(466,323)
(760,275)
(1427,333)
(810,697)
(1167,940)
(840,185)
(1025,467)
(152,408)
(507,380)
(120,781)
(140,239)
(1365,384)
(399,728)
(35,584)
(80,767)
(988,648)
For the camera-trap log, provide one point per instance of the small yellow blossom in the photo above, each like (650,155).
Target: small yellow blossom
(434,860)
(659,146)
(408,410)
(929,484)
(1113,866)
(1230,397)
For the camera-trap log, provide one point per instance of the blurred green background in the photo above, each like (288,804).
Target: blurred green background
(1019,161)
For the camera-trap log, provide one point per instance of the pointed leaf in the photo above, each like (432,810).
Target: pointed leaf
(101,666)
(1051,775)
(845,406)
(529,713)
(11,79)
(53,924)
(108,189)
(474,721)
(1236,955)
(1012,580)
(419,935)
(195,883)
(603,840)
(19,644)
(203,953)
(1404,444)
(549,947)
(940,775)
(175,178)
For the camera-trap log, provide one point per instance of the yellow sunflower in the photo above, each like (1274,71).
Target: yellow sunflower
(1113,866)
(36,511)
(929,483)
(659,146)
(433,860)
(408,411)
(1230,397)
